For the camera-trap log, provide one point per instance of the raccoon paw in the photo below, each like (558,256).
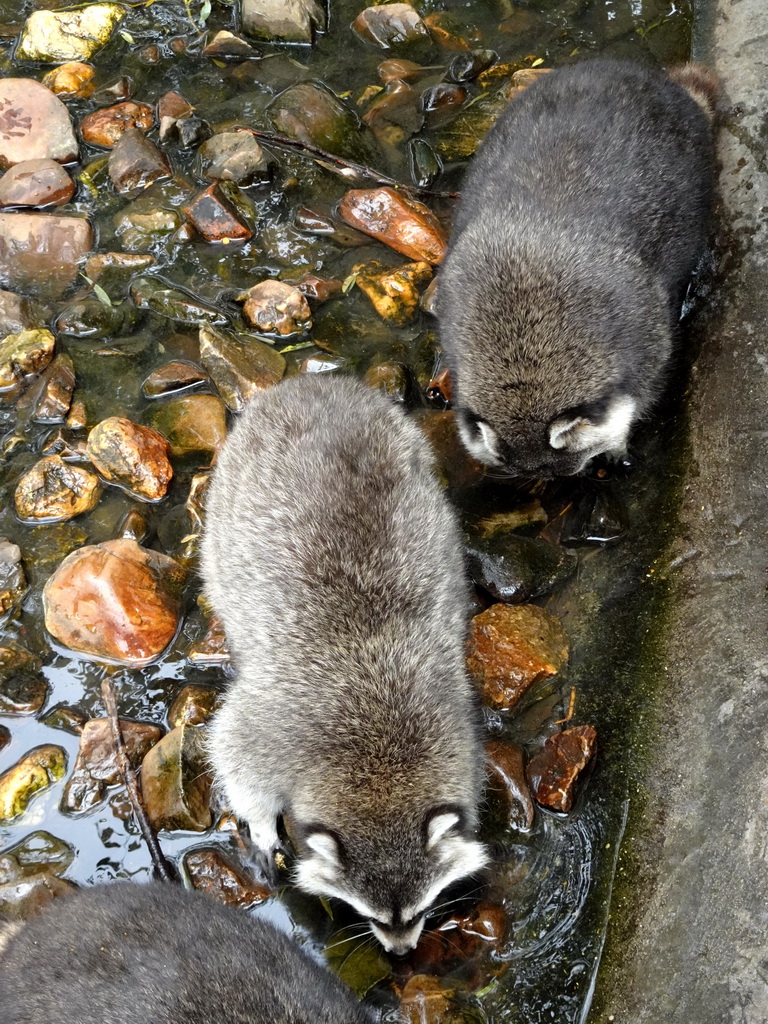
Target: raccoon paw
(269,861)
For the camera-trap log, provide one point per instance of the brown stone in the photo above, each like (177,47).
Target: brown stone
(215,218)
(440,388)
(455,466)
(397,69)
(239,368)
(527,76)
(212,648)
(275,307)
(36,183)
(73,80)
(192,705)
(399,222)
(13,582)
(394,293)
(41,251)
(460,937)
(77,417)
(176,376)
(136,162)
(170,108)
(390,25)
(96,265)
(58,387)
(511,647)
(36,770)
(96,766)
(175,781)
(233,156)
(16,314)
(425,1000)
(505,767)
(227,44)
(132,456)
(104,127)
(318,289)
(553,772)
(213,873)
(115,601)
(194,424)
(34,124)
(444,30)
(55,490)
(24,353)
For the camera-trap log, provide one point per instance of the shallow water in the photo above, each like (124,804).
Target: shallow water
(556,881)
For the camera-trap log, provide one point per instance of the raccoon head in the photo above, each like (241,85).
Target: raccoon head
(392,879)
(561,446)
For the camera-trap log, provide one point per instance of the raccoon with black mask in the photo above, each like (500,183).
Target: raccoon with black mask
(582,217)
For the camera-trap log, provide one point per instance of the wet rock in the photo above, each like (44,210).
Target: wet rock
(318,223)
(34,124)
(155,294)
(517,569)
(55,397)
(125,263)
(73,80)
(15,659)
(511,647)
(391,378)
(175,376)
(455,466)
(40,851)
(171,108)
(16,315)
(312,114)
(96,766)
(67,718)
(213,873)
(390,25)
(132,456)
(55,490)
(398,69)
(134,525)
(135,162)
(77,417)
(440,387)
(192,131)
(275,307)
(239,368)
(22,897)
(195,424)
(429,299)
(459,139)
(396,220)
(36,771)
(54,36)
(286,21)
(465,67)
(62,442)
(212,647)
(36,183)
(175,782)
(233,156)
(527,76)
(39,251)
(424,164)
(193,705)
(449,32)
(115,601)
(92,318)
(323,364)
(425,1000)
(397,104)
(141,227)
(460,938)
(216,217)
(599,518)
(505,768)
(318,289)
(107,126)
(22,690)
(394,293)
(226,44)
(13,582)
(530,514)
(359,965)
(554,771)
(24,353)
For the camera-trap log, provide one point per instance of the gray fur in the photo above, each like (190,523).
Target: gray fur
(156,954)
(335,563)
(582,217)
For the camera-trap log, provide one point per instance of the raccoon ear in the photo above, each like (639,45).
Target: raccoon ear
(440,821)
(607,433)
(326,845)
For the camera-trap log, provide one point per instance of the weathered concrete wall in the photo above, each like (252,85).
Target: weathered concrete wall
(697,952)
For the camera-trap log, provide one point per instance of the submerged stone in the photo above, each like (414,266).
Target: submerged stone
(155,294)
(34,124)
(24,353)
(176,376)
(96,766)
(30,875)
(465,67)
(395,292)
(554,771)
(92,318)
(239,368)
(511,647)
(390,25)
(212,648)
(456,468)
(175,781)
(517,569)
(13,582)
(396,220)
(227,44)
(107,126)
(599,518)
(143,225)
(505,768)
(73,80)
(213,873)
(55,397)
(41,182)
(42,252)
(424,164)
(53,36)
(216,217)
(192,705)
(22,693)
(136,162)
(425,1000)
(55,490)
(275,307)
(132,456)
(312,114)
(114,601)
(392,379)
(460,938)
(35,771)
(194,424)
(233,156)
(284,21)
(318,289)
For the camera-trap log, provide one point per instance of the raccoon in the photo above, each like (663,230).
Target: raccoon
(335,563)
(157,954)
(581,219)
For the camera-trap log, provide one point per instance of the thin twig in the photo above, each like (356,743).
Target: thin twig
(162,868)
(348,166)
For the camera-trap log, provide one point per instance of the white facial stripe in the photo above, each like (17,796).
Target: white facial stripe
(310,877)
(470,857)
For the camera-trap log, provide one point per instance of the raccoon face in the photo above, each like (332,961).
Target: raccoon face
(392,883)
(561,447)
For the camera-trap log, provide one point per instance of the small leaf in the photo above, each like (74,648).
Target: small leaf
(127,36)
(539,60)
(349,283)
(326,904)
(205,12)
(295,348)
(101,295)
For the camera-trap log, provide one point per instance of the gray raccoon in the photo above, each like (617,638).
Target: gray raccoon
(157,954)
(335,564)
(581,219)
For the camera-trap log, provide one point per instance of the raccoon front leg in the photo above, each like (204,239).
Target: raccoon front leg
(260,812)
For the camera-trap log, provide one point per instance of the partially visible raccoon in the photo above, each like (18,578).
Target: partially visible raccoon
(581,219)
(335,562)
(157,954)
